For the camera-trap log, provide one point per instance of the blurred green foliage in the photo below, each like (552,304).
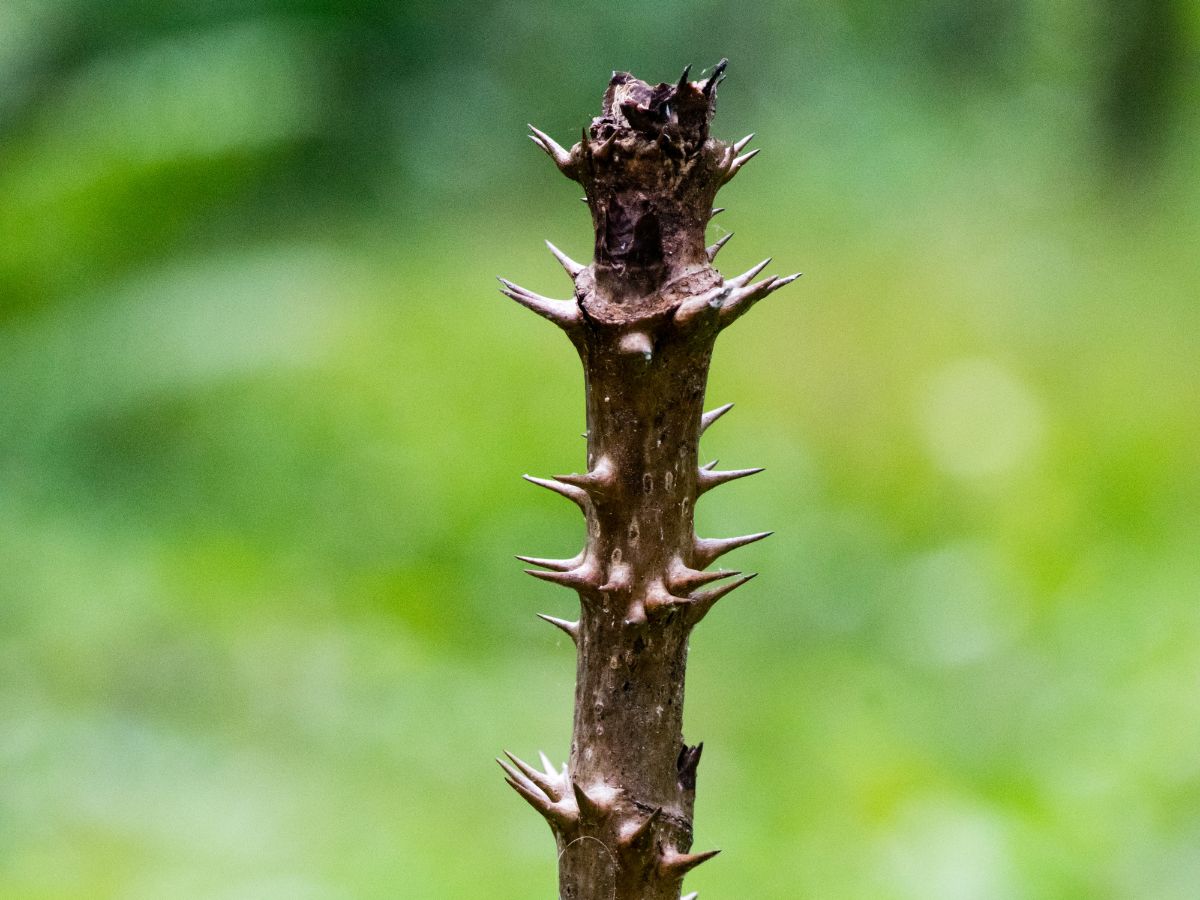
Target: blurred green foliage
(263,413)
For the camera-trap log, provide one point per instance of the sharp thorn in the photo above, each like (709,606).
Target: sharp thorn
(563,313)
(744,279)
(576,495)
(674,864)
(713,249)
(715,78)
(546,764)
(684,580)
(683,79)
(573,268)
(572,579)
(739,146)
(587,806)
(603,151)
(708,550)
(707,479)
(709,417)
(555,151)
(539,779)
(571,628)
(716,211)
(557,565)
(738,162)
(702,603)
(640,834)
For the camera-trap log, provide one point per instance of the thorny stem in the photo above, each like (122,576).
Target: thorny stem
(644,319)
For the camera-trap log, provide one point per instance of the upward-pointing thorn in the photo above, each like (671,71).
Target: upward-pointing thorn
(709,417)
(683,79)
(555,151)
(715,78)
(573,268)
(713,249)
(744,279)
(736,165)
(739,146)
(587,806)
(702,603)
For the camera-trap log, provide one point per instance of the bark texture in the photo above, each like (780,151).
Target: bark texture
(644,318)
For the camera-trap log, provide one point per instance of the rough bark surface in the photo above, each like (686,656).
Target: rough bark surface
(644,318)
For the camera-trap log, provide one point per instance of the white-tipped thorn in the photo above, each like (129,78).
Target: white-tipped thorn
(716,212)
(563,313)
(555,151)
(576,495)
(712,415)
(557,565)
(743,299)
(573,268)
(744,279)
(571,628)
(714,248)
(738,163)
(739,146)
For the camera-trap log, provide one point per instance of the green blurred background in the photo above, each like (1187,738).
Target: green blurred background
(264,413)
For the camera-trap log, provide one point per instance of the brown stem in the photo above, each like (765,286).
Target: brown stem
(644,319)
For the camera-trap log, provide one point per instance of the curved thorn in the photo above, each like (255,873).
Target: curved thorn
(708,466)
(683,79)
(639,835)
(542,781)
(702,603)
(716,211)
(573,268)
(712,415)
(708,550)
(563,313)
(713,249)
(744,279)
(674,864)
(578,496)
(571,628)
(707,479)
(587,806)
(555,151)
